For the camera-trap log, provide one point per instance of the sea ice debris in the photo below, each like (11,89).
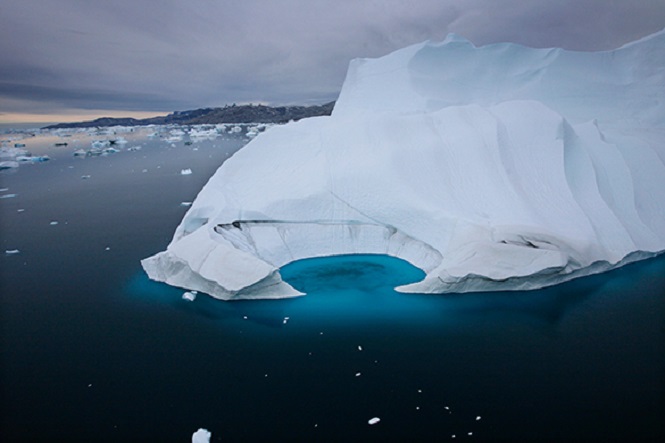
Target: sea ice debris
(201,436)
(185,171)
(373,421)
(189,296)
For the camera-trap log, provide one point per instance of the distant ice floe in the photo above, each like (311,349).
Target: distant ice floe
(11,164)
(13,157)
(185,171)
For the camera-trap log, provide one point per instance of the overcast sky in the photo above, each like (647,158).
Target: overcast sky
(60,56)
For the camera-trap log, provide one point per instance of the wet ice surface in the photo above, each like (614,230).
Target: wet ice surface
(92,347)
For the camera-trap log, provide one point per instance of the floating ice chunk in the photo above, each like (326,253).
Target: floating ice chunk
(53,223)
(8,196)
(189,295)
(80,153)
(32,159)
(360,348)
(134,148)
(478,418)
(6,152)
(8,164)
(110,150)
(201,436)
(99,144)
(286,320)
(373,421)
(185,171)
(85,177)
(12,251)
(358,374)
(185,203)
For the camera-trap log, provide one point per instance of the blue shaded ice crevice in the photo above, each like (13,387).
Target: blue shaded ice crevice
(494,168)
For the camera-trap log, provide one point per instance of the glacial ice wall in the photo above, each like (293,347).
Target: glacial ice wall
(500,167)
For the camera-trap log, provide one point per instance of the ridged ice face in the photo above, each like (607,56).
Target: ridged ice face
(501,167)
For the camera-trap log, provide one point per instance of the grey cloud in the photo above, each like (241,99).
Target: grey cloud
(143,54)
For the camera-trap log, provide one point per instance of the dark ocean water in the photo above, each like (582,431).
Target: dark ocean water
(91,350)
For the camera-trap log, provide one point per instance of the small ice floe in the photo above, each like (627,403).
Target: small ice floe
(99,144)
(358,374)
(7,195)
(134,148)
(4,189)
(286,320)
(32,159)
(12,251)
(53,223)
(201,436)
(189,295)
(360,348)
(185,203)
(108,248)
(244,317)
(185,171)
(373,421)
(20,210)
(109,151)
(80,153)
(478,418)
(470,433)
(144,171)
(85,177)
(8,165)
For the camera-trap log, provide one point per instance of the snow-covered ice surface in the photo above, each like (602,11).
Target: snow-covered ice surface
(500,167)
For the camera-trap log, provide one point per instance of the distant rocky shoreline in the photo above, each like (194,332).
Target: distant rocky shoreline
(228,114)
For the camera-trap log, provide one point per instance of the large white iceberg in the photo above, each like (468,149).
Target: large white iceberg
(499,167)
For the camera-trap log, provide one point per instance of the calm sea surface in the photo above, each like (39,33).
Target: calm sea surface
(91,350)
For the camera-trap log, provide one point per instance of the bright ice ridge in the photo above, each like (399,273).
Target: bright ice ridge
(491,168)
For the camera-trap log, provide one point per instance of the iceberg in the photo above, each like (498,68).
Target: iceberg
(500,167)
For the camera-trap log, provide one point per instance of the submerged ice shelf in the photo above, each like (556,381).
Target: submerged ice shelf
(491,168)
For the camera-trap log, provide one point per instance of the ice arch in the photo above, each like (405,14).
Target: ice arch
(252,251)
